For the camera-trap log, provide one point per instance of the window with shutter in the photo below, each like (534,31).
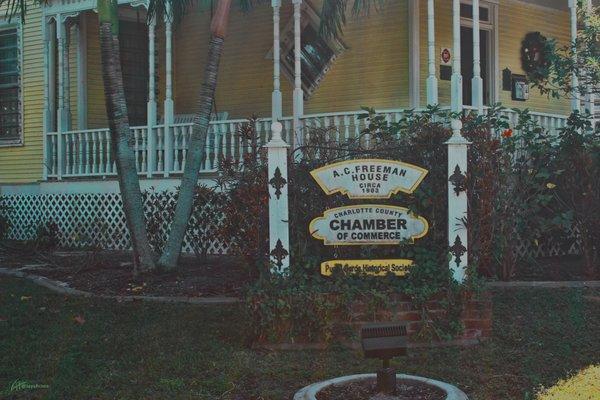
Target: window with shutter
(10,87)
(317,53)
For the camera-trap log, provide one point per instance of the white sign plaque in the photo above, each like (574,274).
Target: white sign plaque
(368,224)
(369,178)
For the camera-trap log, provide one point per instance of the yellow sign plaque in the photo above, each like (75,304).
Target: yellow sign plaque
(366,267)
(369,178)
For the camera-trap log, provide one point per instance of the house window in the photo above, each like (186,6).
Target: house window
(488,49)
(466,11)
(317,53)
(10,87)
(316,57)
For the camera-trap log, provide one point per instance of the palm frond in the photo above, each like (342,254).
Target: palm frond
(333,18)
(333,14)
(158,8)
(16,7)
(363,7)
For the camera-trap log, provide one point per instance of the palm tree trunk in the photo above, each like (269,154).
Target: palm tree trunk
(197,143)
(121,137)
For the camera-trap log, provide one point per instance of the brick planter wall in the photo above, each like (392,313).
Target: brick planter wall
(476,317)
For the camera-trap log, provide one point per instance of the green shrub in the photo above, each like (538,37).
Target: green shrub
(47,235)
(5,223)
(305,308)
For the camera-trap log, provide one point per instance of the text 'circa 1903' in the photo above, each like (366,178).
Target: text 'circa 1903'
(369,178)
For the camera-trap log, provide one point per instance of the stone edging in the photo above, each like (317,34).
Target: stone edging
(63,288)
(310,392)
(544,284)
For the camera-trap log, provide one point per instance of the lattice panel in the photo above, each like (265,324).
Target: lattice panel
(548,247)
(98,220)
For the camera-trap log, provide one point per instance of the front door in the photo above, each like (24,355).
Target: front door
(133,40)
(466,56)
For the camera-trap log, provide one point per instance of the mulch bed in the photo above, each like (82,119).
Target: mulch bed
(111,273)
(366,390)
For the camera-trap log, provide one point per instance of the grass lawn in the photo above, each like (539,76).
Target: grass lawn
(152,351)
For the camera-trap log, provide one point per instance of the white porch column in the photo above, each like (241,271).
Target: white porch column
(152,108)
(279,235)
(298,93)
(590,100)
(60,33)
(456,82)
(276,99)
(60,111)
(47,122)
(46,33)
(51,71)
(82,73)
(457,166)
(432,81)
(575,101)
(67,75)
(169,106)
(477,81)
(414,65)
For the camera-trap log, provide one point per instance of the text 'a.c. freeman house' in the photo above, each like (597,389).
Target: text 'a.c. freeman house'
(54,133)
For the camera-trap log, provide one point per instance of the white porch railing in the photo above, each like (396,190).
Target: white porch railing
(87,153)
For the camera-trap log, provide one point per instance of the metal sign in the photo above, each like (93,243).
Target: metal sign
(366,267)
(446,56)
(368,224)
(369,178)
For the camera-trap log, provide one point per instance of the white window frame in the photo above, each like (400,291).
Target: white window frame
(6,25)
(491,26)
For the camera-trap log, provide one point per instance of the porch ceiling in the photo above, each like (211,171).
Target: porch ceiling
(558,4)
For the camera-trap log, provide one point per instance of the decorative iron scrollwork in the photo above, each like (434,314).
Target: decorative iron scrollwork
(279,253)
(457,250)
(458,180)
(278,182)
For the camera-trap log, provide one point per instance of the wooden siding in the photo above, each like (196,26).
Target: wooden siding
(443,38)
(95,97)
(515,20)
(372,72)
(24,163)
(73,49)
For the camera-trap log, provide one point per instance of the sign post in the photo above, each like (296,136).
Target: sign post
(279,230)
(457,201)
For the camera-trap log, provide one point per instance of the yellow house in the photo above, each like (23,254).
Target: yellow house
(53,129)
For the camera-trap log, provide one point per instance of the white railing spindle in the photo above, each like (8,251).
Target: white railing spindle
(88,152)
